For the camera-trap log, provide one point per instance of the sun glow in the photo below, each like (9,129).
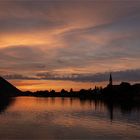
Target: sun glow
(58,85)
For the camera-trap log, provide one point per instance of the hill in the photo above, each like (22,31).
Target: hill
(7,89)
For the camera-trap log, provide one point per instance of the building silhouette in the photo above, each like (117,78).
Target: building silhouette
(110,80)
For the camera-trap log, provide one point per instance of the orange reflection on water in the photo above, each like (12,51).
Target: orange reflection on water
(57,104)
(72,118)
(34,85)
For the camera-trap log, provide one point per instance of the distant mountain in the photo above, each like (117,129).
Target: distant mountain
(7,89)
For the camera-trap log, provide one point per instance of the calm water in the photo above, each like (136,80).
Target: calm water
(65,118)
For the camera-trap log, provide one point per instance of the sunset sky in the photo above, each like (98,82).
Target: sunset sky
(80,40)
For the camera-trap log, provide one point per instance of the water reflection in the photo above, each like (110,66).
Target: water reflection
(69,118)
(5,103)
(97,105)
(125,107)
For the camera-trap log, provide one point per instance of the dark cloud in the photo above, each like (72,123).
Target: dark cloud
(46,14)
(128,75)
(17,25)
(18,76)
(21,59)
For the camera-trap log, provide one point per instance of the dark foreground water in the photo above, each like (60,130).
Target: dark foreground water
(65,118)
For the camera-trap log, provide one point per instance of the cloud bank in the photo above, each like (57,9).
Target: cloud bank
(128,76)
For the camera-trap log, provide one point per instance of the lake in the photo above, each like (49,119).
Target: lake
(67,118)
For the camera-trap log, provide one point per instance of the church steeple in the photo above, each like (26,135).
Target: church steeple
(110,80)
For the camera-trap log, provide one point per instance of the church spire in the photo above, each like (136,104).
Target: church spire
(110,80)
